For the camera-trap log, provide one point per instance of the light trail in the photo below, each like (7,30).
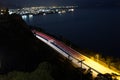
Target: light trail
(74,56)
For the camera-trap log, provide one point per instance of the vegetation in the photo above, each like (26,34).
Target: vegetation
(110,61)
(99,57)
(43,72)
(50,71)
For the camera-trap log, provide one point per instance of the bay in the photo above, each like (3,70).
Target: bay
(93,29)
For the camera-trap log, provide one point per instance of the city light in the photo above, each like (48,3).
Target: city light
(71,10)
(39,10)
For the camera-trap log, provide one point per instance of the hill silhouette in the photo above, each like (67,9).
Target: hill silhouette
(19,48)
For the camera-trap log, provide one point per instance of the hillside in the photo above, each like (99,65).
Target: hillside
(22,54)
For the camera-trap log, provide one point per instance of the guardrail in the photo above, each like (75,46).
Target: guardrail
(79,61)
(68,55)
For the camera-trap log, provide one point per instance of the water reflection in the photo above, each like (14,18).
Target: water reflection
(28,18)
(24,17)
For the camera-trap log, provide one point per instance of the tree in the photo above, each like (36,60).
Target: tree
(89,74)
(104,77)
(43,72)
(109,61)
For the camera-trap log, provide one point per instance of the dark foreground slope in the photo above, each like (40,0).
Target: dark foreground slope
(19,48)
(20,51)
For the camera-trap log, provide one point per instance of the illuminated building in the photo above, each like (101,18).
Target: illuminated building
(3,11)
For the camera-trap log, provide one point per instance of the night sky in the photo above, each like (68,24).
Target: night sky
(23,3)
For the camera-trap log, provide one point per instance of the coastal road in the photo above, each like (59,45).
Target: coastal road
(76,57)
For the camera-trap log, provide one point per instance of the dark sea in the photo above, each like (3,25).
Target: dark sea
(94,29)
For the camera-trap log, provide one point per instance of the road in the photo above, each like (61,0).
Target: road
(74,56)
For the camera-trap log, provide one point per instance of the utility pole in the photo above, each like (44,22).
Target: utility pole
(81,61)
